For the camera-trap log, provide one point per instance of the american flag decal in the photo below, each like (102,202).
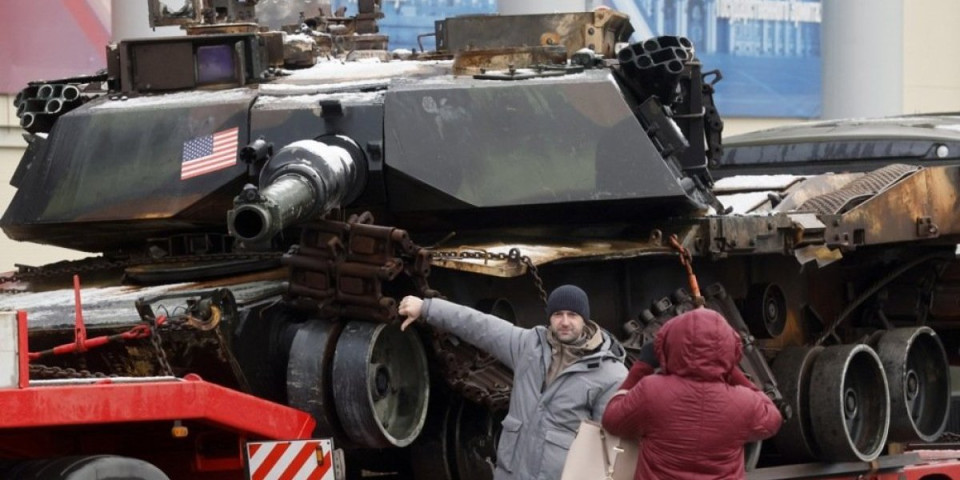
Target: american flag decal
(209,153)
(296,460)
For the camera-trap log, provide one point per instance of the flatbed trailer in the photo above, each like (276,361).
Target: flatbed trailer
(191,429)
(913,465)
(186,428)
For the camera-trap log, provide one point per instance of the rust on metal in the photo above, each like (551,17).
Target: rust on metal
(472,62)
(687,262)
(491,258)
(339,268)
(923,205)
(597,30)
(226,28)
(472,372)
(811,187)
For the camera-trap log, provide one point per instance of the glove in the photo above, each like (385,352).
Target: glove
(639,370)
(648,355)
(786,411)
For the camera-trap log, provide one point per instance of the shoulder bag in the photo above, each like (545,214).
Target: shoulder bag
(597,455)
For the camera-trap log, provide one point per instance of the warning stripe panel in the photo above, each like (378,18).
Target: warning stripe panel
(298,460)
(322,472)
(271,460)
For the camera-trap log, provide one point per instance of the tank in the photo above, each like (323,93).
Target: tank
(259,201)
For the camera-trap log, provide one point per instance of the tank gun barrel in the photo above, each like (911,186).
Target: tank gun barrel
(306,179)
(280,204)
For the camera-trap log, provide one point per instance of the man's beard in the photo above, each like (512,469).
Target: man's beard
(570,338)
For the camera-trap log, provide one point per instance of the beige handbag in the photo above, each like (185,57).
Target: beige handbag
(597,455)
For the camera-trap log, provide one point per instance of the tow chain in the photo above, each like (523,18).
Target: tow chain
(46,372)
(537,281)
(468,370)
(137,332)
(513,256)
(161,354)
(228,356)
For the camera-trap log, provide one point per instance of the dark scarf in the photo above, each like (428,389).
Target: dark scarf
(565,354)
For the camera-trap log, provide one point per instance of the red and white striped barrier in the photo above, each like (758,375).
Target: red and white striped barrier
(296,460)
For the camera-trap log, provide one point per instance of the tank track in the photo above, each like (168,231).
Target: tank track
(857,191)
(349,269)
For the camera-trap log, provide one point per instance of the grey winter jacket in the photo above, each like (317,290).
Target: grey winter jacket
(541,423)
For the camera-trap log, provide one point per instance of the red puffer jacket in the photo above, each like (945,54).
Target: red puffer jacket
(695,416)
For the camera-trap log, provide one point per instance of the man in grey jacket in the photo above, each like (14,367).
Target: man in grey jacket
(561,375)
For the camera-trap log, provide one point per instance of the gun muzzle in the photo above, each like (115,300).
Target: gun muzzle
(305,180)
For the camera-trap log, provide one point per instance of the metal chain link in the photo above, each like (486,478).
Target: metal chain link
(472,254)
(537,281)
(231,359)
(513,256)
(47,372)
(161,354)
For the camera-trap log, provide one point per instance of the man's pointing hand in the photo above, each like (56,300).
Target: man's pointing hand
(409,307)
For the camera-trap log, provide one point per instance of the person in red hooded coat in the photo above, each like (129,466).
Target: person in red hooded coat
(694,416)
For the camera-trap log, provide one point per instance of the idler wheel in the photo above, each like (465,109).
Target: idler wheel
(765,310)
(382,385)
(432,456)
(475,438)
(792,368)
(459,441)
(309,385)
(918,373)
(849,404)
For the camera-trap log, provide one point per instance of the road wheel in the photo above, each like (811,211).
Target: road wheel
(918,375)
(101,467)
(382,386)
(849,403)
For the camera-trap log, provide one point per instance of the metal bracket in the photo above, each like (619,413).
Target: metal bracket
(926,228)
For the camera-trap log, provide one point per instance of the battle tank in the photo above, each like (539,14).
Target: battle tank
(261,200)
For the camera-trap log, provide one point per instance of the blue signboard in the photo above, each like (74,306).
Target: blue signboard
(767,50)
(406,20)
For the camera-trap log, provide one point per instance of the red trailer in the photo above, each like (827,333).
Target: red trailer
(914,465)
(145,427)
(172,428)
